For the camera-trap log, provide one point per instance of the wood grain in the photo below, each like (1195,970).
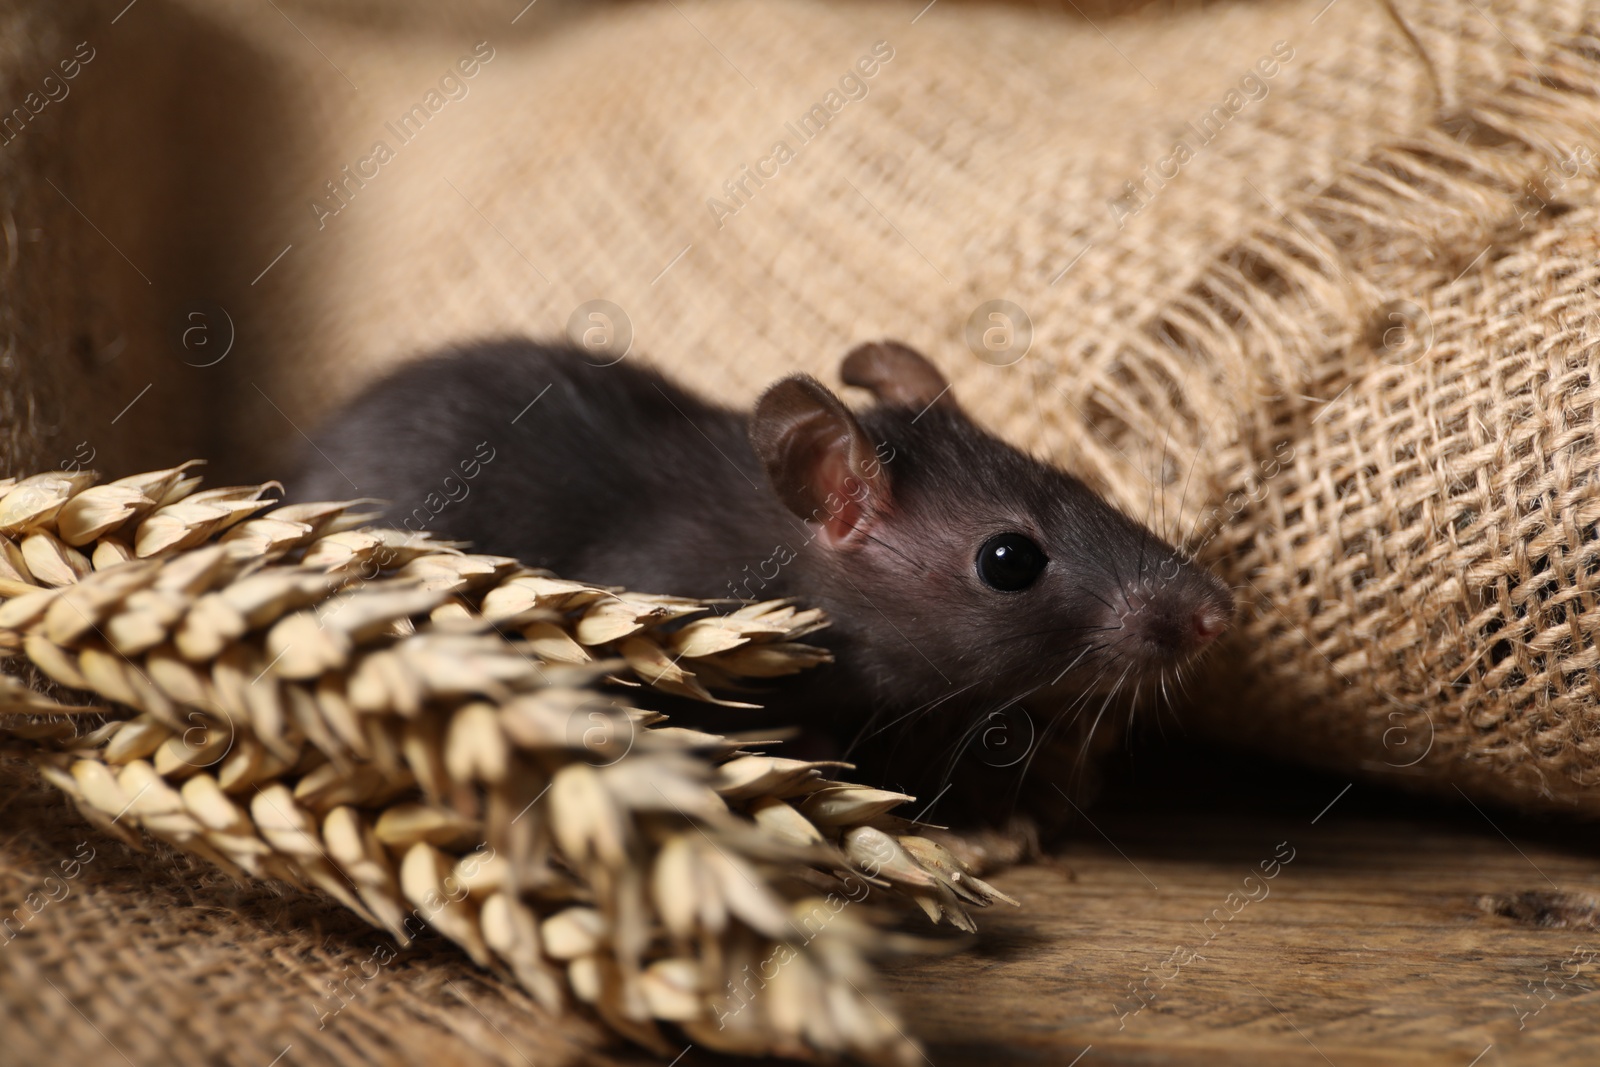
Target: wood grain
(1380,942)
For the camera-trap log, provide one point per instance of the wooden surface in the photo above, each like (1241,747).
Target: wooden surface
(1401,932)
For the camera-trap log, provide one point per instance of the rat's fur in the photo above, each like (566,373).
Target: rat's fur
(616,475)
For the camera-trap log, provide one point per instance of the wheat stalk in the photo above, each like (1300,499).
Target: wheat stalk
(429,735)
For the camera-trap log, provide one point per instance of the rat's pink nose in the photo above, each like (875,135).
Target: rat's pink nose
(1209,621)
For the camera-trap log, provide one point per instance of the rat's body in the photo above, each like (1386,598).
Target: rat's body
(918,525)
(598,475)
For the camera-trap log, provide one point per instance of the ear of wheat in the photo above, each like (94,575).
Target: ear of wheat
(432,736)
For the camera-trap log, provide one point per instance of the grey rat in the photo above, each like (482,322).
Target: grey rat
(959,574)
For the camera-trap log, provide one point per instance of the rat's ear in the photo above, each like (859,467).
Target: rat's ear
(896,374)
(819,460)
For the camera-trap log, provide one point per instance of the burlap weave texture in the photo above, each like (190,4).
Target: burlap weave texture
(1303,341)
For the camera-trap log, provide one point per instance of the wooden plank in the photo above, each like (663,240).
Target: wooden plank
(1397,932)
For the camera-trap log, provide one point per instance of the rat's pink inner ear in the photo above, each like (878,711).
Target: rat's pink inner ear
(846,497)
(819,460)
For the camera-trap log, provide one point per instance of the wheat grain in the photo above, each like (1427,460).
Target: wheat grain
(433,736)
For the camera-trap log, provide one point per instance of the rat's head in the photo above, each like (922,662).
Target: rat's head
(955,564)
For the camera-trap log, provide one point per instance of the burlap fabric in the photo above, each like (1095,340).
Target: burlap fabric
(1342,342)
(1306,284)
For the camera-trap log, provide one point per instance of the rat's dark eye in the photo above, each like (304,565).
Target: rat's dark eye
(1010,562)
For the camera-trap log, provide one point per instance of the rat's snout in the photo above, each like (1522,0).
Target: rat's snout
(1169,620)
(1211,618)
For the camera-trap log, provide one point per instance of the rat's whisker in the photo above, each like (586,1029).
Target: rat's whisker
(1023,635)
(1161,475)
(1052,723)
(1088,742)
(890,548)
(920,709)
(1183,498)
(1068,668)
(1133,710)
